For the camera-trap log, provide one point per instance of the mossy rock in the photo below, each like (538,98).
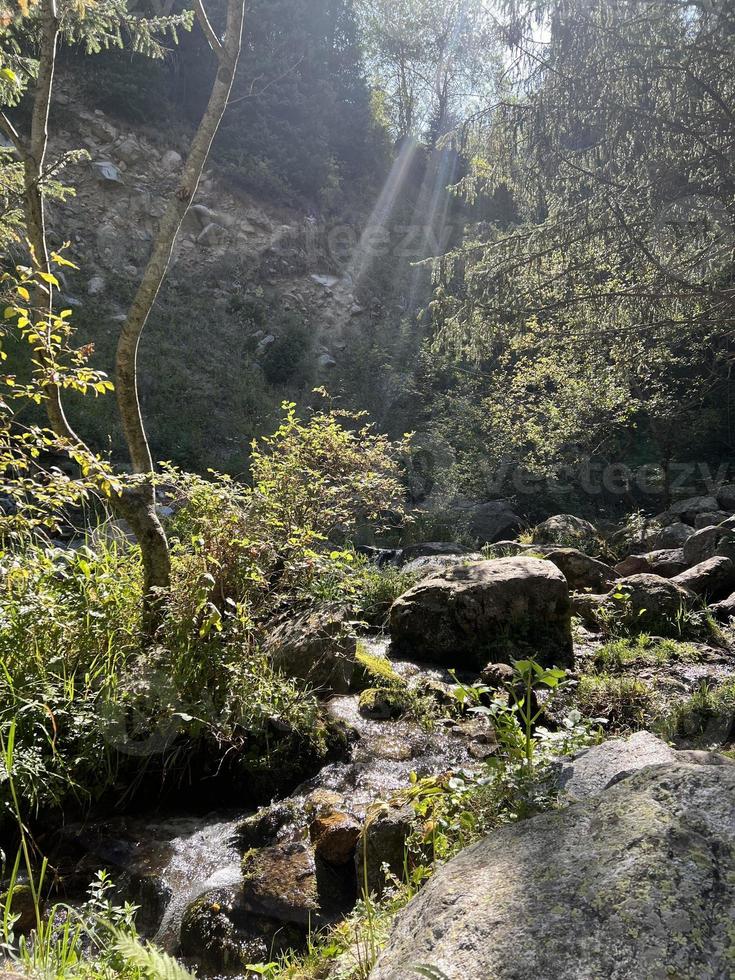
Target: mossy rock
(382,703)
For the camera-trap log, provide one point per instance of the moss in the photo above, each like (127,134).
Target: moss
(374,671)
(382,703)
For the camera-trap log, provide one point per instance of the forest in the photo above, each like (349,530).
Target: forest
(367,489)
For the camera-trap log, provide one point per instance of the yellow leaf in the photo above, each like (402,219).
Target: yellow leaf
(47,277)
(23,293)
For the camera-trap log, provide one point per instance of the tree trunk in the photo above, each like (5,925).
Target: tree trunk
(137,505)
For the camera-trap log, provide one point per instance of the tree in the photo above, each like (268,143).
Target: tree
(42,27)
(431,60)
(614,143)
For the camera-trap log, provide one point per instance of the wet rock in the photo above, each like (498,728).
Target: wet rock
(428,565)
(280,882)
(383,842)
(220,934)
(392,748)
(497,609)
(713,578)
(565,530)
(22,905)
(381,703)
(334,836)
(267,825)
(581,571)
(430,549)
(636,882)
(318,646)
(709,542)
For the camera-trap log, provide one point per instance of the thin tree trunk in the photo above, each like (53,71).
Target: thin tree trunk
(227,52)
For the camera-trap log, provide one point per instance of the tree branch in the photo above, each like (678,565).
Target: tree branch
(207,29)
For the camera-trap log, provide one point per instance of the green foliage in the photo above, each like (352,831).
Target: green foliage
(705,717)
(626,703)
(628,653)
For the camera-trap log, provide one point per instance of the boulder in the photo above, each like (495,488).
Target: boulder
(426,566)
(688,509)
(632,565)
(334,836)
(430,549)
(724,610)
(565,530)
(653,603)
(671,536)
(382,844)
(491,610)
(710,518)
(667,562)
(280,882)
(708,542)
(317,646)
(581,571)
(726,496)
(590,771)
(636,882)
(713,578)
(171,161)
(489,522)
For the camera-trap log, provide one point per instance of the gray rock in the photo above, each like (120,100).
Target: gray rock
(565,530)
(581,571)
(95,286)
(710,518)
(708,542)
(428,565)
(326,362)
(713,578)
(489,610)
(689,508)
(170,161)
(653,603)
(638,882)
(724,610)
(490,521)
(667,562)
(213,234)
(592,770)
(726,496)
(672,536)
(317,646)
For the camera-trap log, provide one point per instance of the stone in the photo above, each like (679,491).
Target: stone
(726,496)
(710,518)
(632,565)
(381,703)
(724,610)
(95,286)
(171,161)
(491,610)
(107,172)
(689,508)
(709,542)
(329,282)
(317,646)
(218,932)
(667,562)
(490,521)
(383,843)
(713,578)
(636,882)
(280,882)
(428,566)
(497,675)
(129,150)
(581,571)
(334,836)
(428,549)
(566,530)
(653,603)
(590,771)
(326,362)
(671,536)
(213,234)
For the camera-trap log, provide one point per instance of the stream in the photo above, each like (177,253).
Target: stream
(165,864)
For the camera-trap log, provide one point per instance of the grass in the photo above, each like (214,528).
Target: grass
(706,717)
(627,703)
(642,650)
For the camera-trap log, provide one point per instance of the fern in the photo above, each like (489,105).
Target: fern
(152,962)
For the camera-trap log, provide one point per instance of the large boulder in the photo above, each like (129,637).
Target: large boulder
(651,603)
(708,542)
(317,646)
(724,610)
(491,521)
(713,578)
(580,570)
(566,530)
(671,536)
(666,562)
(636,882)
(490,610)
(688,509)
